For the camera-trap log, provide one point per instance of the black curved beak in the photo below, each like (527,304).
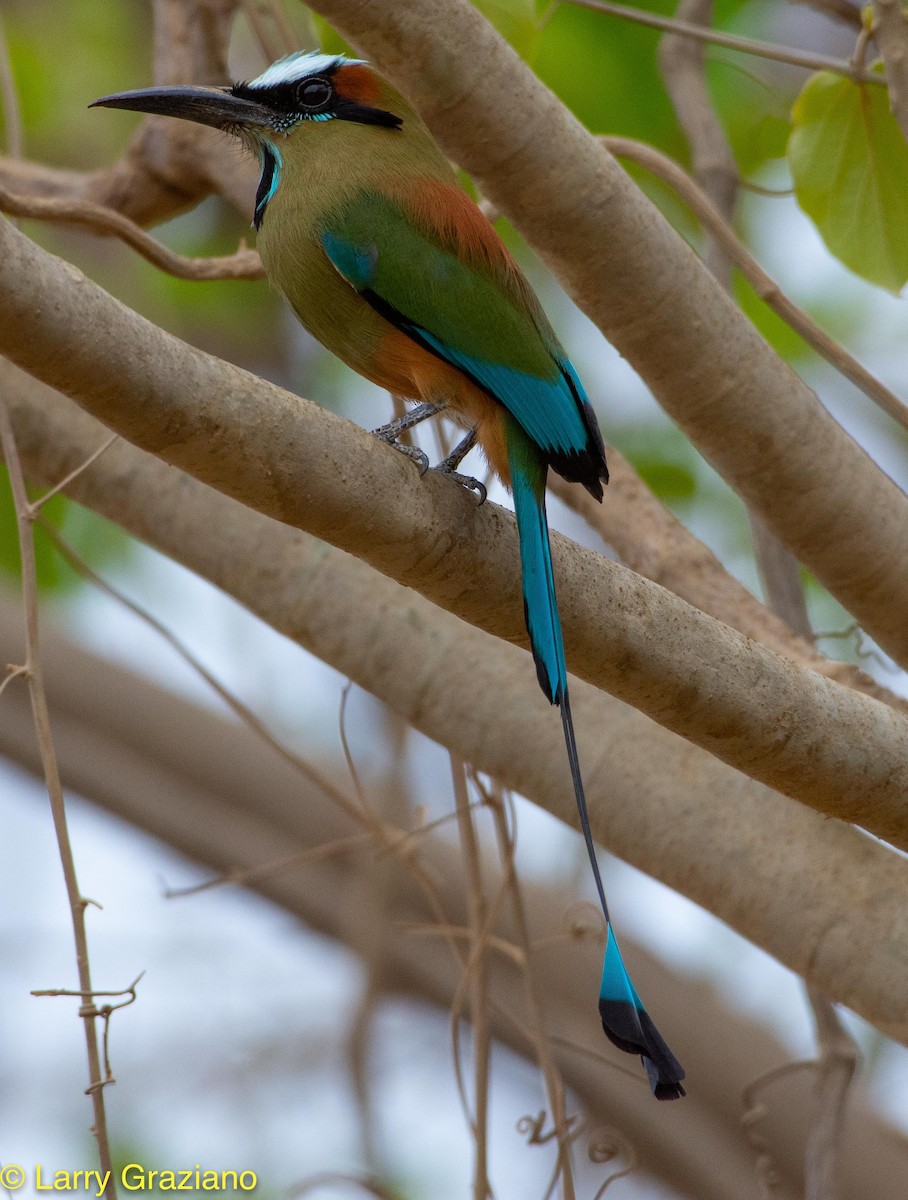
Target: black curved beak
(213,106)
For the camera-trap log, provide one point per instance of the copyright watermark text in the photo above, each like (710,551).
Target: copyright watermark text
(131,1178)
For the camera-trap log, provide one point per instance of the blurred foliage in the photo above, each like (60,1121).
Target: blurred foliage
(849,162)
(665,464)
(94,539)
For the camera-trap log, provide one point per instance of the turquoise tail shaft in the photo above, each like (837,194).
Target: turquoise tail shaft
(624,1019)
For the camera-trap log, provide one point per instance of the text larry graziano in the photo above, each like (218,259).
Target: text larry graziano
(136,1178)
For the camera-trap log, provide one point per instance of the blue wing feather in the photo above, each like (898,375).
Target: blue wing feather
(552,408)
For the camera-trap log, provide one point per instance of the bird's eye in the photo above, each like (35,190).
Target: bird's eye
(314,93)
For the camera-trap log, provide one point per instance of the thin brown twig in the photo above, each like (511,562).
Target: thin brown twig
(477,911)
(784,54)
(390,840)
(244,264)
(763,284)
(604,1146)
(551,1075)
(768,1175)
(77,902)
(681,64)
(396,841)
(12,672)
(836,1068)
(36,505)
(418,929)
(252,875)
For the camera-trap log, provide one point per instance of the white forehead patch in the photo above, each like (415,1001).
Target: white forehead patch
(295,67)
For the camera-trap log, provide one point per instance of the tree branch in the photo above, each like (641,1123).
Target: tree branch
(794,730)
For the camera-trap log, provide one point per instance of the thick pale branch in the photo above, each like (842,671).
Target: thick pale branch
(807,889)
(832,748)
(750,415)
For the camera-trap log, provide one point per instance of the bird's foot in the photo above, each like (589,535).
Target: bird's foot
(467,481)
(412,452)
(448,466)
(390,433)
(420,412)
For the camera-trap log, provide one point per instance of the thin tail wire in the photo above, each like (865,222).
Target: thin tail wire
(570,742)
(624,1018)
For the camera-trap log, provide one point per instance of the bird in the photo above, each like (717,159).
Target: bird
(364,228)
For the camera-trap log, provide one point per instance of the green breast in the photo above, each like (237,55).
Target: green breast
(326,165)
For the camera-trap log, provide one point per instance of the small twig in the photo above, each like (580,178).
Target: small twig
(129,991)
(36,505)
(477,910)
(784,54)
(252,875)
(537,1135)
(859,54)
(13,672)
(417,929)
(105,1012)
(605,1146)
(345,745)
(682,65)
(550,1073)
(763,284)
(388,840)
(77,902)
(861,650)
(755,1110)
(835,1072)
(244,264)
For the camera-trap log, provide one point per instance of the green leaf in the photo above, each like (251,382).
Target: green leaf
(849,163)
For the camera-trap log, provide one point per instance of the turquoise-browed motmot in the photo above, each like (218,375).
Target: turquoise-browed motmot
(363,227)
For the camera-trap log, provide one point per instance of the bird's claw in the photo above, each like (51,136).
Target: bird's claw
(466,481)
(418,456)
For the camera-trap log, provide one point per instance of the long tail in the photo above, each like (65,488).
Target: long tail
(624,1018)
